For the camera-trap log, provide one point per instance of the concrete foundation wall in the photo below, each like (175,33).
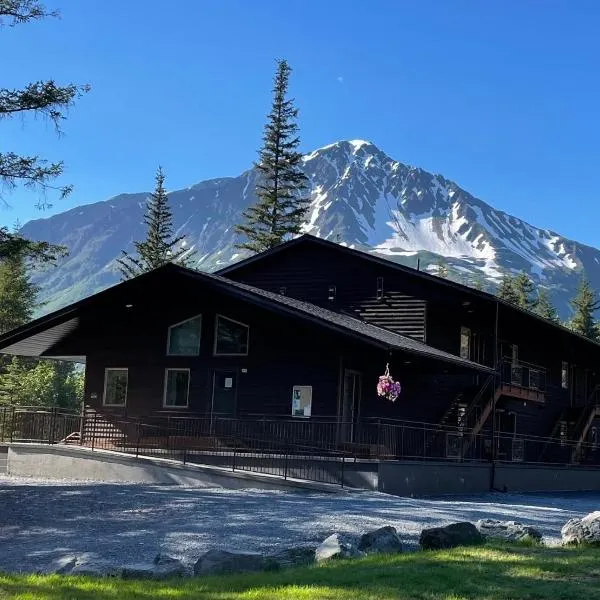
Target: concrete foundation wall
(407,478)
(60,462)
(534,478)
(432,478)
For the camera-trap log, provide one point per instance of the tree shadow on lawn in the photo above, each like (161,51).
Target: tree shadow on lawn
(491,572)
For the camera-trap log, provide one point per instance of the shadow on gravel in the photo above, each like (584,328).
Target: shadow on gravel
(122,523)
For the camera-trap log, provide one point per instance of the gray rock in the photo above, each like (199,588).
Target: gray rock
(384,539)
(166,566)
(95,568)
(291,557)
(221,561)
(336,546)
(455,534)
(137,571)
(507,530)
(582,531)
(59,565)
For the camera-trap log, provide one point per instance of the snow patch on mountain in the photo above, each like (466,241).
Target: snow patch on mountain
(359,197)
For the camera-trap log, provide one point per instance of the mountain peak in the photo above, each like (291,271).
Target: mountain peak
(359,196)
(347,146)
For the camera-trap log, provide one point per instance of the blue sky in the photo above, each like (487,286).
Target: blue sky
(502,97)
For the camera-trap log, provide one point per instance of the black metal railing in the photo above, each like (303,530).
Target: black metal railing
(290,448)
(523,374)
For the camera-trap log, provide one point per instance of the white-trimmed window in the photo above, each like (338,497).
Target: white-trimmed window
(231,337)
(184,337)
(115,387)
(177,388)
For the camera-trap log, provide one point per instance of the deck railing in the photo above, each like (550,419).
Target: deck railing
(283,445)
(523,374)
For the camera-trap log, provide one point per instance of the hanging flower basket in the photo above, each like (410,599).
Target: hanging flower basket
(388,388)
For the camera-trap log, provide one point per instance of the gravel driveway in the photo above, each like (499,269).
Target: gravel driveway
(41,520)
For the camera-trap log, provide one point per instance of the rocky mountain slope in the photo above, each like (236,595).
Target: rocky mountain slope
(359,196)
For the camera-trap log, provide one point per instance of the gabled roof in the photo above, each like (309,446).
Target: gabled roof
(37,337)
(384,262)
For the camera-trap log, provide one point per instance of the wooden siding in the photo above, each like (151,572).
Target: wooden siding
(309,274)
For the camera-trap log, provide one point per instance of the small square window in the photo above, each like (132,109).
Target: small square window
(115,387)
(177,386)
(231,337)
(184,337)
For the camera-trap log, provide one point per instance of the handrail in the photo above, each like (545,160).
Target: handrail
(522,363)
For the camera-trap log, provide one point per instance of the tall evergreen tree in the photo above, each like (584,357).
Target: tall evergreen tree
(41,98)
(17,293)
(545,308)
(281,205)
(507,291)
(524,288)
(159,247)
(584,304)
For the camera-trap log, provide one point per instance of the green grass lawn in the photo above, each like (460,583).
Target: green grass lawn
(491,572)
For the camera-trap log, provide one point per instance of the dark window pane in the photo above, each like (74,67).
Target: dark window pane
(232,337)
(177,386)
(184,339)
(115,391)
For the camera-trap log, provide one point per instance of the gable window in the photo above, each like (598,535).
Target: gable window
(177,388)
(564,376)
(465,343)
(231,337)
(184,337)
(115,387)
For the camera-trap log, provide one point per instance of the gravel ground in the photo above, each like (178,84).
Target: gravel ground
(41,520)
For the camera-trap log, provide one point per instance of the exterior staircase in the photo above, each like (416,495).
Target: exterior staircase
(582,427)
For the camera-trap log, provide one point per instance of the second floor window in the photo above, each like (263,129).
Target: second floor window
(465,343)
(231,337)
(184,337)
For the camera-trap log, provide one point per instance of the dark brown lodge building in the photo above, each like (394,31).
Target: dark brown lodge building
(303,332)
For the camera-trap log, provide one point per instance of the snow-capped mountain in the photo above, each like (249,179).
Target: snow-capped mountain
(359,196)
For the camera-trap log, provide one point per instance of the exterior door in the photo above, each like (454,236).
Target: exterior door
(224,393)
(351,393)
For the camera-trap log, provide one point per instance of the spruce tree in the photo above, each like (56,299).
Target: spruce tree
(507,291)
(545,308)
(159,247)
(584,304)
(281,205)
(524,289)
(17,293)
(41,98)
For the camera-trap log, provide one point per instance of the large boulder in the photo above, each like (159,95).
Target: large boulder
(291,557)
(95,567)
(455,534)
(165,566)
(162,567)
(59,565)
(384,539)
(582,531)
(336,546)
(507,530)
(221,561)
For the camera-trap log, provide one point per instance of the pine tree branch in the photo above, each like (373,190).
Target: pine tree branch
(33,172)
(13,244)
(41,97)
(22,11)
